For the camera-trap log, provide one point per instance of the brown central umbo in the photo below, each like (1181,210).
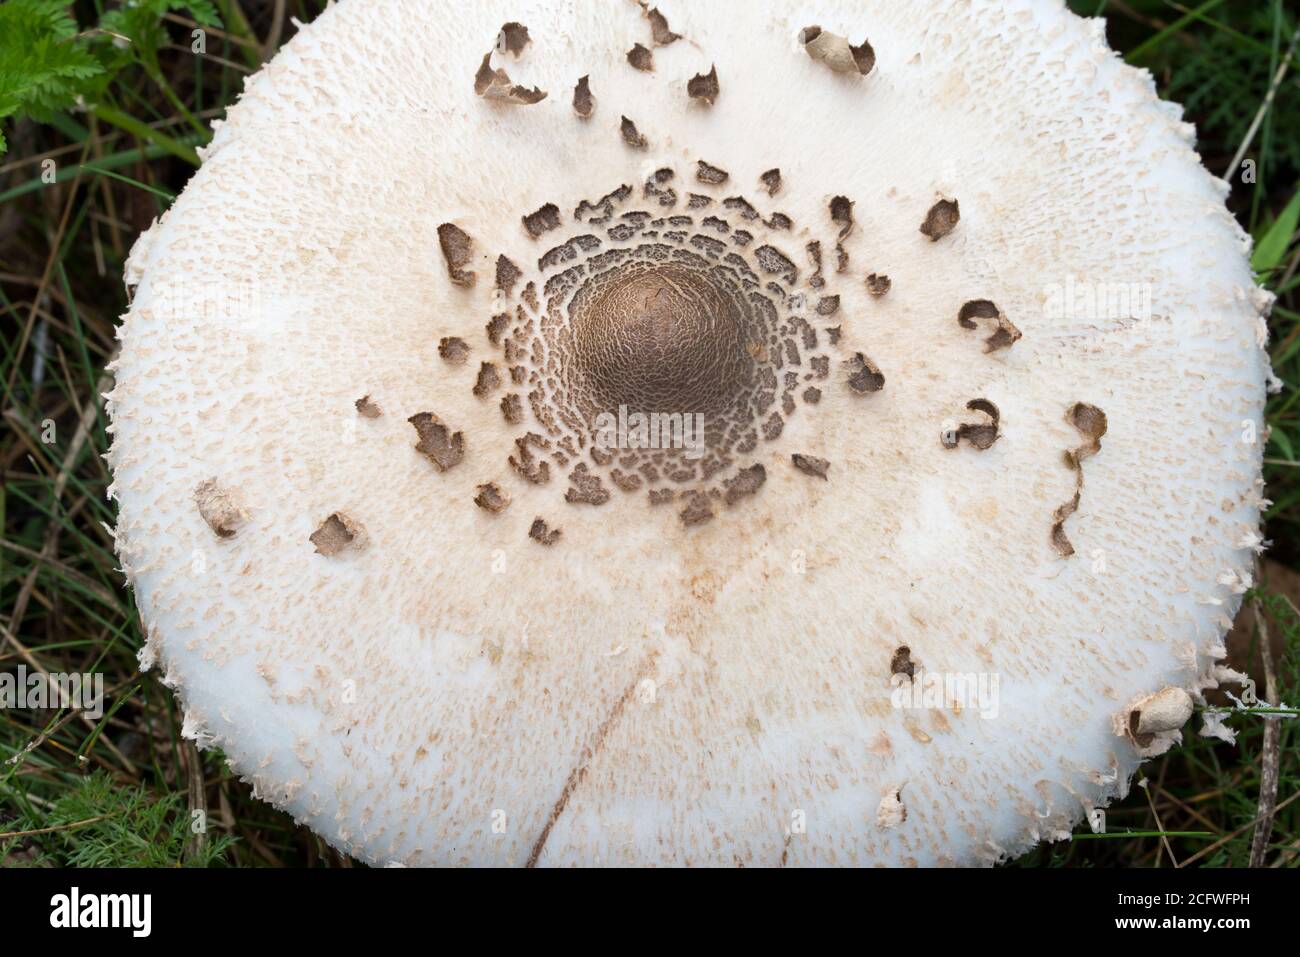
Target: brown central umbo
(664,338)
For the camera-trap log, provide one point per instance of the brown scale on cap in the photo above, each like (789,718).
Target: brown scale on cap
(814,252)
(864,376)
(740,205)
(656,186)
(811,465)
(453,349)
(776,263)
(842,215)
(1004,334)
(980,436)
(512,408)
(218,508)
(901,663)
(631,136)
(704,86)
(1060,541)
(712,175)
(878,285)
(527,463)
(602,210)
(507,275)
(976,309)
(745,484)
(626,481)
(836,52)
(543,220)
(444,448)
(496,328)
(1091,421)
(336,534)
(663,36)
(641,58)
(367,409)
(491,498)
(771,181)
(496,85)
(489,379)
(458,252)
(941,219)
(864,57)
(542,533)
(584,104)
(585,487)
(698,510)
(512,39)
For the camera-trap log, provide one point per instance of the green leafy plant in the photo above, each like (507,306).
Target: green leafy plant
(43,66)
(1271,244)
(49,66)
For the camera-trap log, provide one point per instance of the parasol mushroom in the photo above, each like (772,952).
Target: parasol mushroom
(379,346)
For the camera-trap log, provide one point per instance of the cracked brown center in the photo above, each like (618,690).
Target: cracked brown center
(659,340)
(665,338)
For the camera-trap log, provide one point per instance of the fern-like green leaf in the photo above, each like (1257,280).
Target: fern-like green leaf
(43,66)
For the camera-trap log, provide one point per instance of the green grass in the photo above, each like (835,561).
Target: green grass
(96,822)
(124,790)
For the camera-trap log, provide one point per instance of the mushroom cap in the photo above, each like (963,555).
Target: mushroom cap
(541,678)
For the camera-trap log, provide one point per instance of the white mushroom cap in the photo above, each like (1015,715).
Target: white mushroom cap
(420,680)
